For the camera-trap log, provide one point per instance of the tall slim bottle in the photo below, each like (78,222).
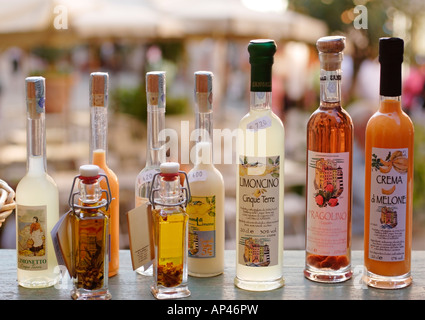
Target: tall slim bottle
(155,151)
(37,199)
(389,179)
(206,207)
(98,156)
(260,181)
(329,174)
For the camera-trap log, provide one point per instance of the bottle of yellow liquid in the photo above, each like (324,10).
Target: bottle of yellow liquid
(98,156)
(389,179)
(260,181)
(206,207)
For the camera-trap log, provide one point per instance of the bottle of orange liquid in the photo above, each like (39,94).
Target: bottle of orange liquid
(389,179)
(98,156)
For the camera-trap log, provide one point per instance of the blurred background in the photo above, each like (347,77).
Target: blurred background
(66,40)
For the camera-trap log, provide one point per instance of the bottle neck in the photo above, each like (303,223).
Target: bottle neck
(36,139)
(90,191)
(390,104)
(155,154)
(204,143)
(330,79)
(169,189)
(98,130)
(261,87)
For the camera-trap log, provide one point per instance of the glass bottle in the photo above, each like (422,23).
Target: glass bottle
(155,151)
(98,156)
(260,181)
(170,234)
(329,174)
(389,179)
(206,206)
(37,199)
(90,237)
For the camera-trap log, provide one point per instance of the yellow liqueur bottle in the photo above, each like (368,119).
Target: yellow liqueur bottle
(90,236)
(206,207)
(329,174)
(37,200)
(260,181)
(170,234)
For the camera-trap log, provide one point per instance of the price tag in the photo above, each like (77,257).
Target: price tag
(148,176)
(197,175)
(260,123)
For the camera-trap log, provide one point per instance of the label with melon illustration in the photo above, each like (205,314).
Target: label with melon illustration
(327,203)
(201,211)
(387,225)
(259,182)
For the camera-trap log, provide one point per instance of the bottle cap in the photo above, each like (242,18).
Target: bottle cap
(155,88)
(89,170)
(169,167)
(391,50)
(203,91)
(261,53)
(390,57)
(35,91)
(331,44)
(98,89)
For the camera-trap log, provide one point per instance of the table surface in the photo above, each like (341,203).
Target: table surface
(129,285)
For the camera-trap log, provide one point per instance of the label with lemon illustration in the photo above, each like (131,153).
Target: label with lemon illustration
(259,180)
(201,211)
(388,198)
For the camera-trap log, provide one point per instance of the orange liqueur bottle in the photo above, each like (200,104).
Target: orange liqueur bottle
(329,174)
(389,179)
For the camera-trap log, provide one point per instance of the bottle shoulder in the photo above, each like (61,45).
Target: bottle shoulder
(330,117)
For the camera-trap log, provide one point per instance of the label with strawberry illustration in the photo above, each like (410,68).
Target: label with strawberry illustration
(327,203)
(387,226)
(259,185)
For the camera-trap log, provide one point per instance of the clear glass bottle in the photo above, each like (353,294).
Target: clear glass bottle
(206,207)
(37,200)
(99,82)
(329,174)
(170,234)
(389,179)
(260,181)
(90,237)
(155,151)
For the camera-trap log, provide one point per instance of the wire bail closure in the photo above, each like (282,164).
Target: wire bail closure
(103,202)
(184,200)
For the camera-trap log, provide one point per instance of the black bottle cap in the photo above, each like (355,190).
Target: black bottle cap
(261,53)
(391,57)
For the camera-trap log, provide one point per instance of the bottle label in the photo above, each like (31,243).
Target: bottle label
(32,233)
(387,226)
(197,175)
(260,123)
(259,211)
(327,203)
(201,211)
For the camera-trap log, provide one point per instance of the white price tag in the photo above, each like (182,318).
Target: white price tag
(148,176)
(260,123)
(197,175)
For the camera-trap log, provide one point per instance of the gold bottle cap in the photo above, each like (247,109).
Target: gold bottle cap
(99,89)
(155,88)
(203,90)
(35,93)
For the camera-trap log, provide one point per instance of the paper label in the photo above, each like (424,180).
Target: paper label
(197,175)
(259,211)
(387,226)
(147,176)
(32,229)
(327,203)
(61,237)
(202,228)
(141,236)
(260,123)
